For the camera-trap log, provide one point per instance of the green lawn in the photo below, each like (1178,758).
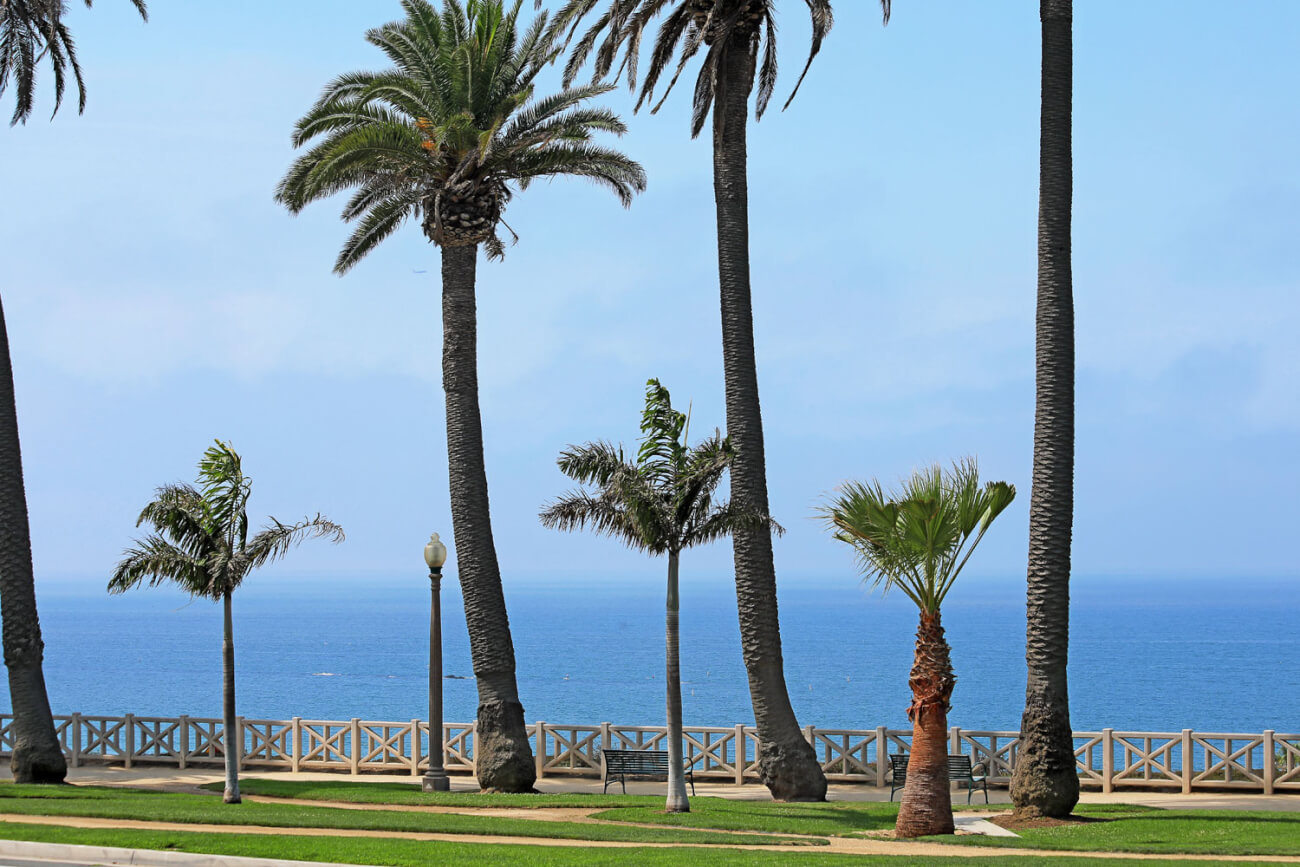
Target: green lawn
(117,803)
(1165,832)
(406,853)
(351,792)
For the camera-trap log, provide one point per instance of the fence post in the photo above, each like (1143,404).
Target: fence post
(295,754)
(539,754)
(76,740)
(128,739)
(954,738)
(882,754)
(183,737)
(1270,762)
(741,754)
(808,736)
(354,754)
(1108,760)
(415,747)
(236,743)
(1187,761)
(473,729)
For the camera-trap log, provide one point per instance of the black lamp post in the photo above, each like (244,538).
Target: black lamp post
(435,778)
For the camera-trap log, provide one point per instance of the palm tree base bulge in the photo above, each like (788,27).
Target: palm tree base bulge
(1046,779)
(36,758)
(927,806)
(791,772)
(503,760)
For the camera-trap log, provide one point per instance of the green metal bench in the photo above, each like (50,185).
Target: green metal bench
(620,764)
(959,771)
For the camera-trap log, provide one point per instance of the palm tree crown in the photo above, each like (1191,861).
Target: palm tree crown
(446,132)
(716,26)
(201,541)
(31,30)
(663,501)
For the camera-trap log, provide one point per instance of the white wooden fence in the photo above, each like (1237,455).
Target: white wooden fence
(1267,762)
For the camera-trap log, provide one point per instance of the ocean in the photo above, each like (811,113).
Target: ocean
(1158,655)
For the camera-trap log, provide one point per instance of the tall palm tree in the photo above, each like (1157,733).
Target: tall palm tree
(1046,782)
(917,540)
(201,545)
(445,136)
(661,503)
(732,35)
(30,30)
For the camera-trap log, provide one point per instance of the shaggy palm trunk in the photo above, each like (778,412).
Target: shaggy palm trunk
(1046,782)
(37,756)
(927,805)
(787,764)
(677,802)
(503,759)
(229,724)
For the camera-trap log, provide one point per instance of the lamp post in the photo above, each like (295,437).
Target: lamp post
(435,778)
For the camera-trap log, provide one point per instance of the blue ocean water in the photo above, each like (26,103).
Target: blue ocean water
(1145,655)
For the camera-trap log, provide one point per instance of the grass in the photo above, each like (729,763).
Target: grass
(409,794)
(1164,832)
(408,853)
(142,805)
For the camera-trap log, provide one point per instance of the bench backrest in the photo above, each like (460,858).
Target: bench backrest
(959,767)
(635,761)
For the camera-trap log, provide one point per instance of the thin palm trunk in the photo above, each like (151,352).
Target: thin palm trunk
(37,756)
(229,723)
(787,764)
(1046,782)
(677,802)
(503,759)
(927,806)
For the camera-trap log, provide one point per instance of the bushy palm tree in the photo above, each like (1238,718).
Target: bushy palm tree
(201,545)
(661,503)
(445,136)
(1046,782)
(30,31)
(736,41)
(917,539)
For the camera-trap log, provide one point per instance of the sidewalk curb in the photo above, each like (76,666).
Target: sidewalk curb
(141,857)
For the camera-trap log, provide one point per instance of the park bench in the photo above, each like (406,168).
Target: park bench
(621,764)
(959,771)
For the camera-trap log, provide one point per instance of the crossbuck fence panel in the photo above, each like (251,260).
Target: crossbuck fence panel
(1186,760)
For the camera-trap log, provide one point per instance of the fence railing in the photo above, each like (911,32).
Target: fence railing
(1267,762)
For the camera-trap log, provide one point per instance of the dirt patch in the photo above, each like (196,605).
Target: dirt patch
(1011,823)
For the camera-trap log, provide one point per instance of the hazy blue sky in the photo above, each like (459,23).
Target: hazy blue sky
(157,297)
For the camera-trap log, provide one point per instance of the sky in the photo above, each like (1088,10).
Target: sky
(157,297)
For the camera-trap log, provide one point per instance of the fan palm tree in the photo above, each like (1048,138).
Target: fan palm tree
(1046,782)
(737,41)
(446,136)
(661,503)
(917,539)
(201,545)
(30,30)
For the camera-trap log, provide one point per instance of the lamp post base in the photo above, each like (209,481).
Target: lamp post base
(435,781)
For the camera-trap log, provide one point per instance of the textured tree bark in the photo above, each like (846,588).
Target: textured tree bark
(503,757)
(1045,782)
(37,756)
(229,724)
(927,805)
(677,802)
(787,763)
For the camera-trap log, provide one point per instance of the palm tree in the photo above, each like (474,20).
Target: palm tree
(1046,782)
(732,34)
(201,544)
(661,503)
(445,136)
(917,539)
(30,30)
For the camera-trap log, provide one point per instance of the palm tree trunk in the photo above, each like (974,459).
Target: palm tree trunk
(37,756)
(927,805)
(503,758)
(787,764)
(229,724)
(677,802)
(1046,782)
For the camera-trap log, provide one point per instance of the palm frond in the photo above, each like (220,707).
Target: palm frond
(276,539)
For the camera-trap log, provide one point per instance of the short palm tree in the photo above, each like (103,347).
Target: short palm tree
(201,545)
(917,540)
(661,503)
(736,43)
(445,136)
(1046,782)
(30,31)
